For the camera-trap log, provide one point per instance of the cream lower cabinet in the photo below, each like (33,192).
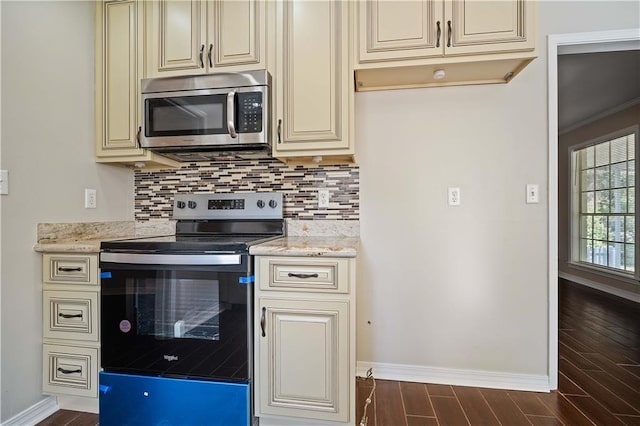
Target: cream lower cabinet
(305,340)
(204,36)
(71,332)
(310,61)
(402,43)
(119,68)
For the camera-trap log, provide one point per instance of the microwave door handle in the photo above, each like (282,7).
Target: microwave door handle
(231,112)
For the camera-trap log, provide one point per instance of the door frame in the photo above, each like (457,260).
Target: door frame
(600,41)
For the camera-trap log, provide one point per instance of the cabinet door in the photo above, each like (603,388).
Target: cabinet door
(391,30)
(117,103)
(314,93)
(488,26)
(176,37)
(303,359)
(236,35)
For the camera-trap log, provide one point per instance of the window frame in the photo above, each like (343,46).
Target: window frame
(575,203)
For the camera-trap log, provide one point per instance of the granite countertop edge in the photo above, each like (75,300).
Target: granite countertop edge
(285,246)
(74,246)
(308,246)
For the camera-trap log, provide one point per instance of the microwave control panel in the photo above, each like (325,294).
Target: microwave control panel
(249,112)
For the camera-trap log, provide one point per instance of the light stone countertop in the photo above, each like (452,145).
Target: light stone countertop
(308,246)
(329,238)
(86,237)
(79,246)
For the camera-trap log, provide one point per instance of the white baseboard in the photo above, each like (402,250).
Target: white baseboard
(34,414)
(634,297)
(448,376)
(78,403)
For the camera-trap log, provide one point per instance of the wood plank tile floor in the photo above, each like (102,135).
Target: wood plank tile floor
(599,380)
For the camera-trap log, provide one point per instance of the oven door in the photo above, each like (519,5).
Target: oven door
(185,316)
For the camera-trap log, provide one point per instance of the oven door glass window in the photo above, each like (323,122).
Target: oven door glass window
(178,309)
(180,323)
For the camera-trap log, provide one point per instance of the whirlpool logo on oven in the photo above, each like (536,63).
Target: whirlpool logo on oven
(170,358)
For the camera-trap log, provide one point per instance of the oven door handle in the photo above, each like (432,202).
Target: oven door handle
(172,259)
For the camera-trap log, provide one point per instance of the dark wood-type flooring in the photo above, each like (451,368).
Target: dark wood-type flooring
(599,381)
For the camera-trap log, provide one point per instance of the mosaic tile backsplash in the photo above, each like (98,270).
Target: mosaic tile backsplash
(154,190)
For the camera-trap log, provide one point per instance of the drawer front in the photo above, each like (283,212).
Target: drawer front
(70,315)
(70,269)
(329,275)
(70,370)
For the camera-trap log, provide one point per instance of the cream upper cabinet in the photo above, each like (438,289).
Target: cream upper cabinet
(391,30)
(474,26)
(313,79)
(119,68)
(402,43)
(400,29)
(199,36)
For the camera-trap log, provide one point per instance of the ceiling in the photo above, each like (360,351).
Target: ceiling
(590,84)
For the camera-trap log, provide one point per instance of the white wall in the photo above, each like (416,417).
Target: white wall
(47,146)
(462,288)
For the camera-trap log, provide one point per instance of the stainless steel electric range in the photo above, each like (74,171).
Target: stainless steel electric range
(177,314)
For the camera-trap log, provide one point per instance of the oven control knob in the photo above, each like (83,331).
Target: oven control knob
(192,204)
(260,204)
(273,204)
(180,204)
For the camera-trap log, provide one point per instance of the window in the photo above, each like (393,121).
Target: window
(604,204)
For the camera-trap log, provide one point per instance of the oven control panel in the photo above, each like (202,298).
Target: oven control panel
(246,205)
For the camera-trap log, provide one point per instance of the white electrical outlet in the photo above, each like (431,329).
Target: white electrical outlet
(323,198)
(4,182)
(90,197)
(454,196)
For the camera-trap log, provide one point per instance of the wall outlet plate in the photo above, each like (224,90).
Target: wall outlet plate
(4,182)
(90,198)
(323,198)
(453,196)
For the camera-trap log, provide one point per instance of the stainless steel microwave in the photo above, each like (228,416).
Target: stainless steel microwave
(192,118)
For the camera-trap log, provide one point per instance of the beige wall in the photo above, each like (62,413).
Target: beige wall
(602,127)
(459,288)
(462,288)
(47,146)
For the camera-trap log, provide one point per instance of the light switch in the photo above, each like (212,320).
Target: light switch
(533,193)
(4,182)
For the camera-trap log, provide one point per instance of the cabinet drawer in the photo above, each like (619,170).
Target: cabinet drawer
(329,275)
(70,370)
(70,315)
(70,269)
